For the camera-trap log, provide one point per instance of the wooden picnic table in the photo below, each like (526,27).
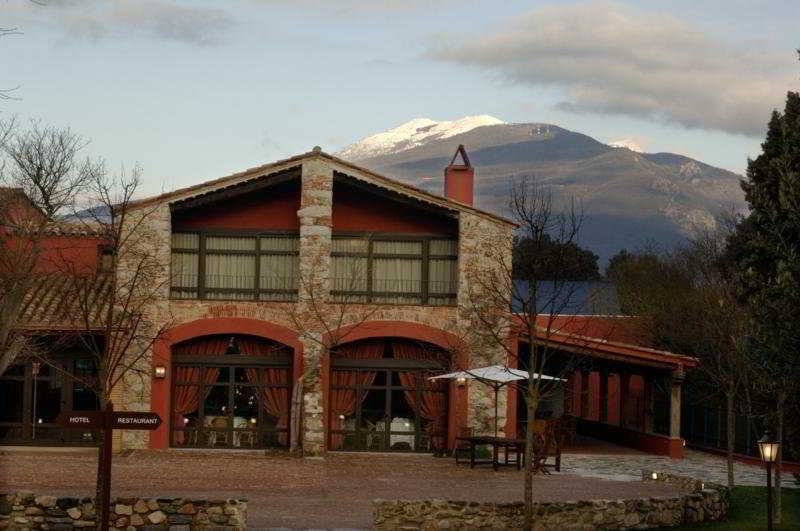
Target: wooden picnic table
(516,446)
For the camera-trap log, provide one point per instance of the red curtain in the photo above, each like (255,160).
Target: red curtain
(187,397)
(343,401)
(274,400)
(433,402)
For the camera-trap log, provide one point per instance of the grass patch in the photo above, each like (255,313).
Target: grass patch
(749,511)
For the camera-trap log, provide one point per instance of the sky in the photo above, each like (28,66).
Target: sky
(195,90)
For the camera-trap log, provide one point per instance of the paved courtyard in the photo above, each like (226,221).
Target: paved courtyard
(337,492)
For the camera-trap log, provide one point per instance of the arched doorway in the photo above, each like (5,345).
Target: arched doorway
(230,391)
(381,397)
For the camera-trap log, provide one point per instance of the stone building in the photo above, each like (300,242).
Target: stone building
(312,274)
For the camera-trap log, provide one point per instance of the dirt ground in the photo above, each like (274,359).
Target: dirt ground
(284,492)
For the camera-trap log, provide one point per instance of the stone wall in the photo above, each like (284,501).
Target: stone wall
(484,257)
(711,503)
(25,510)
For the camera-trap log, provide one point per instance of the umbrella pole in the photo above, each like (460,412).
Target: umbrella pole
(496,388)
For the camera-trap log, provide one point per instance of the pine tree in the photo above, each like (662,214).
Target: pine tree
(766,248)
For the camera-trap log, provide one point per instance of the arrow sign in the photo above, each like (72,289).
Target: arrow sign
(81,419)
(134,420)
(118,420)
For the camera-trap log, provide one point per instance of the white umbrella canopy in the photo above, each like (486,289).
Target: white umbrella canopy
(495,376)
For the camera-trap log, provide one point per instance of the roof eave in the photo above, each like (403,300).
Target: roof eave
(205,187)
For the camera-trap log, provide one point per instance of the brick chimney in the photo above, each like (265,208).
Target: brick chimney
(459,179)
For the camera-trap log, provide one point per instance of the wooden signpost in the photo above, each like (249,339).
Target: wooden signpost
(107,421)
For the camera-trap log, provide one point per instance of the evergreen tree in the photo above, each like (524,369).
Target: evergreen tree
(766,249)
(540,256)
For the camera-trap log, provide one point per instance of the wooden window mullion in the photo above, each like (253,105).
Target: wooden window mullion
(257,281)
(201,266)
(424,273)
(27,403)
(369,271)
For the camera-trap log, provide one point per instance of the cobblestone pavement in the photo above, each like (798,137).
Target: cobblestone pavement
(282,492)
(629,466)
(337,492)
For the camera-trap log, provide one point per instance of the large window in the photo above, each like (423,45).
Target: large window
(33,394)
(231,391)
(395,270)
(382,397)
(234,266)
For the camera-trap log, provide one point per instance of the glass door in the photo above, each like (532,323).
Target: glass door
(386,410)
(230,406)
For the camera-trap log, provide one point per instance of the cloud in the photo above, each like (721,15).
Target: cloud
(99,19)
(616,60)
(351,7)
(378,65)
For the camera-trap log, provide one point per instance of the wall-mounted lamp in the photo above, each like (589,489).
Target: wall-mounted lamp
(160,371)
(461,381)
(654,475)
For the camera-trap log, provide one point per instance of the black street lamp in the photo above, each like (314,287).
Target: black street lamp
(769,448)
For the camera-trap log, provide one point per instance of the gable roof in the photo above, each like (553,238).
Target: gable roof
(355,171)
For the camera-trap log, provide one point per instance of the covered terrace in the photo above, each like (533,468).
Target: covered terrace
(617,390)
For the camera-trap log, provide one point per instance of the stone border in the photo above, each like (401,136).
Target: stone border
(25,510)
(700,502)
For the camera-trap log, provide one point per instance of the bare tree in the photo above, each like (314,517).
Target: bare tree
(331,306)
(685,301)
(8,93)
(506,307)
(115,309)
(108,309)
(41,175)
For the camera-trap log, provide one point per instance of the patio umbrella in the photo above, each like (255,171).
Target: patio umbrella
(495,376)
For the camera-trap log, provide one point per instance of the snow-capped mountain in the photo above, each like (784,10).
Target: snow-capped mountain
(628,196)
(412,134)
(628,143)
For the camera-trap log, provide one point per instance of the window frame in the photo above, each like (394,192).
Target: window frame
(290,295)
(104,250)
(423,296)
(230,363)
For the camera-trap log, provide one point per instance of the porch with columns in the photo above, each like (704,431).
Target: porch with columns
(617,391)
(629,405)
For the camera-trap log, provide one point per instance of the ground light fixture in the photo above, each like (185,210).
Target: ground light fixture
(769,447)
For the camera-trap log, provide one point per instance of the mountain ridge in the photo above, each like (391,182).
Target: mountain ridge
(628,197)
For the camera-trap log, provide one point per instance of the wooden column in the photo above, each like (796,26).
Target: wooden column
(624,386)
(675,404)
(648,403)
(585,394)
(603,395)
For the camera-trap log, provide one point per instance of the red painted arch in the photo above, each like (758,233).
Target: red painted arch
(407,329)
(162,355)
(457,414)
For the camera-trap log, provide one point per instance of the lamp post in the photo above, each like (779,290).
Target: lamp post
(769,448)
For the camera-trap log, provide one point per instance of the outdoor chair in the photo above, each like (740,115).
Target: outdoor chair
(566,429)
(548,444)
